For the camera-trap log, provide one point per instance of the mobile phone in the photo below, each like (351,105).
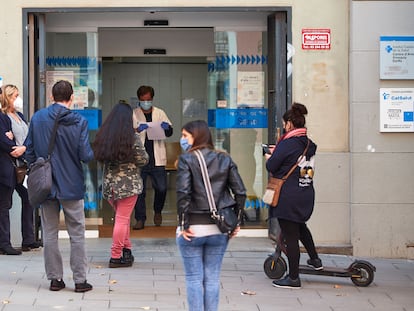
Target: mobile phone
(266,149)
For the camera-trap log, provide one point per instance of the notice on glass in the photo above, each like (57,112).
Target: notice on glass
(154,130)
(250,89)
(54,76)
(397,110)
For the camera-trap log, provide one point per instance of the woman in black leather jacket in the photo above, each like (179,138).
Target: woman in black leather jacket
(202,245)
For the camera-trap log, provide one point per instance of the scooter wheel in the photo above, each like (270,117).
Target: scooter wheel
(363,275)
(274,268)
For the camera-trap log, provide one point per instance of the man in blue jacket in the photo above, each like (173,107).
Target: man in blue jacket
(71,149)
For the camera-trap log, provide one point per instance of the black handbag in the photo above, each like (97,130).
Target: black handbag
(225,218)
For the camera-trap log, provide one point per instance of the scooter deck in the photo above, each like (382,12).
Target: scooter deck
(327,271)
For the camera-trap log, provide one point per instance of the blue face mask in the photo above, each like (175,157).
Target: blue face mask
(146,104)
(184,144)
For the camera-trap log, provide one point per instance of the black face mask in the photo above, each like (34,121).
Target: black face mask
(284,131)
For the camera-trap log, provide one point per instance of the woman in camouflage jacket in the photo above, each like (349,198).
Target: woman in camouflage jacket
(120,150)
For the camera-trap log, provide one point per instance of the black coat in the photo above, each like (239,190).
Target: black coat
(297,195)
(191,194)
(7,171)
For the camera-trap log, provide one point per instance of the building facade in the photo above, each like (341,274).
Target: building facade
(240,65)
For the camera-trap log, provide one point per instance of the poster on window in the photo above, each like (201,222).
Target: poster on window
(80,97)
(250,89)
(54,76)
(397,110)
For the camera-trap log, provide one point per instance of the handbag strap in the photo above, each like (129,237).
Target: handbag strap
(207,184)
(54,131)
(297,163)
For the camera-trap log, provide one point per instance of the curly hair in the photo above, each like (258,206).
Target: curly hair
(296,115)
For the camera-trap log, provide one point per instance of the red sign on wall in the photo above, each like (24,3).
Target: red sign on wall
(316,39)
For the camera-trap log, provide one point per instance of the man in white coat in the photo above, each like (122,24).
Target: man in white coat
(155,168)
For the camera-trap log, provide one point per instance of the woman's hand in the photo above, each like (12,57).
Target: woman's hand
(10,135)
(18,151)
(187,234)
(271,149)
(234,233)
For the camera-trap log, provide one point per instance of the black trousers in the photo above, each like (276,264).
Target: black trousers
(6,194)
(293,232)
(28,234)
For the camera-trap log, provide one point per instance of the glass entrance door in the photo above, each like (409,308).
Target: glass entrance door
(74,57)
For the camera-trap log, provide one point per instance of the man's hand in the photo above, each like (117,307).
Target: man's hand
(165,125)
(142,127)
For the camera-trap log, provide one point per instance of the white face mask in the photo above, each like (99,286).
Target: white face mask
(18,104)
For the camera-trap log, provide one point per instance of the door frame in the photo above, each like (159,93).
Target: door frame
(279,84)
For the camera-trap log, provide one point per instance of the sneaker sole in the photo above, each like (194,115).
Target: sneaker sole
(284,286)
(120,265)
(315,268)
(83,290)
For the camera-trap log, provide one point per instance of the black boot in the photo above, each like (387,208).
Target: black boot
(118,263)
(127,256)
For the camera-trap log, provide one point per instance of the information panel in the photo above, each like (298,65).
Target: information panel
(396,57)
(397,109)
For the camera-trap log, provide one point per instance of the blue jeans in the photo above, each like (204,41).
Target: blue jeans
(202,259)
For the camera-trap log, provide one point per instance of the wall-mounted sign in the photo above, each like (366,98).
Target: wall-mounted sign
(316,39)
(397,110)
(396,57)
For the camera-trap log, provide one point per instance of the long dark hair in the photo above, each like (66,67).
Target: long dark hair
(296,115)
(201,134)
(115,139)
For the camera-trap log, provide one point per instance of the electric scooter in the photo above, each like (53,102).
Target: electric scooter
(361,272)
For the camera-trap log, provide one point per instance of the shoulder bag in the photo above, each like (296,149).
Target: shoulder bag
(39,179)
(274,185)
(225,218)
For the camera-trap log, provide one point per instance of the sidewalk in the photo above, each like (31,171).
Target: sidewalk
(156,282)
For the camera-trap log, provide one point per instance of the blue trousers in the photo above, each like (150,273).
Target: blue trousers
(159,183)
(202,259)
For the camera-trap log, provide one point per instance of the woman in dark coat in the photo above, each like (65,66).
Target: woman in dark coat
(297,195)
(9,151)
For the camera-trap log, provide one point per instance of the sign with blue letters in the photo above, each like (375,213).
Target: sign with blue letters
(237,118)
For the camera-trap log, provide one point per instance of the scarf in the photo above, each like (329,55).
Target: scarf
(293,133)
